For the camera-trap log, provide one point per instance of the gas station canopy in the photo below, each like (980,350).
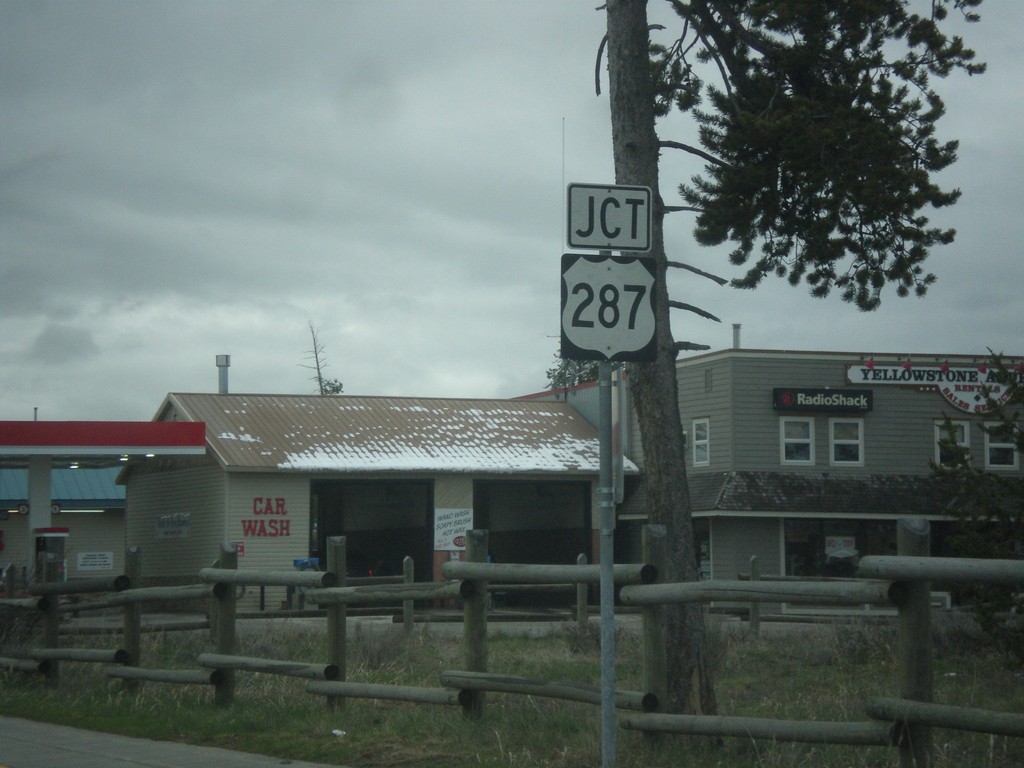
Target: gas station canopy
(41,446)
(97,443)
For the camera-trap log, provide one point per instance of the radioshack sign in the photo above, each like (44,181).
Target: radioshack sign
(830,400)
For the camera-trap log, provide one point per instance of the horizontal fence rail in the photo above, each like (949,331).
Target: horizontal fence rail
(80,586)
(409,693)
(958,569)
(902,581)
(517,573)
(581,692)
(270,666)
(943,716)
(865,734)
(98,655)
(836,593)
(174,676)
(161,594)
(24,665)
(384,593)
(268,578)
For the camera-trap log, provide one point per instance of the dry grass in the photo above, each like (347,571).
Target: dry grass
(825,675)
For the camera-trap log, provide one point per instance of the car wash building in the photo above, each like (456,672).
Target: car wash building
(396,476)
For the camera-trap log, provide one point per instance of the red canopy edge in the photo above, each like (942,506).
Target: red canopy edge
(178,436)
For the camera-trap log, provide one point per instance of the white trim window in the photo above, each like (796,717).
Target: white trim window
(846,442)
(1000,450)
(701,442)
(962,435)
(796,440)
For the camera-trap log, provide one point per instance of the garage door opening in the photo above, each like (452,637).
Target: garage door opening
(383,522)
(536,522)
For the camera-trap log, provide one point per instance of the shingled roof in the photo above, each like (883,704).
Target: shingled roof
(782,492)
(389,434)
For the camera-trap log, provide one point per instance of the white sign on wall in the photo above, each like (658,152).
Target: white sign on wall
(450,526)
(95,561)
(174,526)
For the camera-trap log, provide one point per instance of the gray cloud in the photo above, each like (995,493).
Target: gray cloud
(179,180)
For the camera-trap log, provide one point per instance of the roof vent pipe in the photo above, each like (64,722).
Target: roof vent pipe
(223,363)
(736,335)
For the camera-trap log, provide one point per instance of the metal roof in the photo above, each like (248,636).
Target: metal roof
(71,488)
(343,433)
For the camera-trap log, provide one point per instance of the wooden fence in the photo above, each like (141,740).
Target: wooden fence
(904,721)
(902,581)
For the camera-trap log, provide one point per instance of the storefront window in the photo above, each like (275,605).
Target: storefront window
(702,536)
(834,547)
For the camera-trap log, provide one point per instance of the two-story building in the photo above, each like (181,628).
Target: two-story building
(807,459)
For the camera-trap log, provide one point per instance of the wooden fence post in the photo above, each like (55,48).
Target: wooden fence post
(337,614)
(913,600)
(474,623)
(51,620)
(654,543)
(133,616)
(408,606)
(755,606)
(224,690)
(10,576)
(582,612)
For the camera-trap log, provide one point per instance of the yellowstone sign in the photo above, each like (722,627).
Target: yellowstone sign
(968,389)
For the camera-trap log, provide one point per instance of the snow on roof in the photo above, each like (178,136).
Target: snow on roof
(342,433)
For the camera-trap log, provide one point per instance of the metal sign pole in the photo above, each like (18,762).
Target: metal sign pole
(606,519)
(606,502)
(608,313)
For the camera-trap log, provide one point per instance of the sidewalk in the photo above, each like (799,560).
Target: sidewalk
(28,744)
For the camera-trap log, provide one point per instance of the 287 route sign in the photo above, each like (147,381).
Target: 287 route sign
(608,308)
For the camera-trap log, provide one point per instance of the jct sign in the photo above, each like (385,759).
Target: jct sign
(616,218)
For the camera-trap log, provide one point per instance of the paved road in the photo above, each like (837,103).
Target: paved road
(28,744)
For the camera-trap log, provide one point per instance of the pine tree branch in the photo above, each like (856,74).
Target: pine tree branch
(694,151)
(689,346)
(702,273)
(695,310)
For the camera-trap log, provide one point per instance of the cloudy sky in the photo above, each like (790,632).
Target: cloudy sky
(184,179)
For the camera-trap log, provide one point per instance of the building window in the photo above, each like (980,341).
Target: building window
(846,441)
(820,547)
(945,453)
(796,438)
(1000,451)
(701,442)
(709,380)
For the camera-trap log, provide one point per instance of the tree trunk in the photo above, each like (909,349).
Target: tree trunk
(655,392)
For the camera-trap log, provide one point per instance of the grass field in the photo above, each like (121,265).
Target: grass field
(826,674)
